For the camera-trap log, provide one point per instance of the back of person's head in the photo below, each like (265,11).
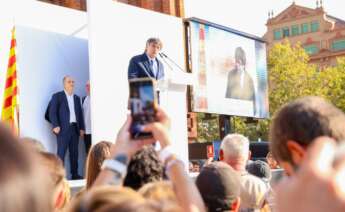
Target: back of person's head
(234,150)
(120,199)
(97,155)
(219,185)
(298,123)
(196,166)
(53,166)
(160,191)
(260,169)
(147,206)
(102,197)
(55,174)
(272,162)
(22,180)
(144,167)
(33,143)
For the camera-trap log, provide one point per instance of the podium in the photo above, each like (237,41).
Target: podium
(173,99)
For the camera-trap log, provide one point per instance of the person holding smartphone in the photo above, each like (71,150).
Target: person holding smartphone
(114,170)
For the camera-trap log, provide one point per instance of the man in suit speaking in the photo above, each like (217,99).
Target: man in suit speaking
(240,84)
(147,64)
(65,114)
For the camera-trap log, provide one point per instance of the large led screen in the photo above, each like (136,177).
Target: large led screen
(229,70)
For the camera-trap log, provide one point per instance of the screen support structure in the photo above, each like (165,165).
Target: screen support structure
(224,125)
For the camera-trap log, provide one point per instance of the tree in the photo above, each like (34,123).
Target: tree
(332,84)
(207,127)
(290,75)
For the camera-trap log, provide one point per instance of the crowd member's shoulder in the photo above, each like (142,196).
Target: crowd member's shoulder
(251,180)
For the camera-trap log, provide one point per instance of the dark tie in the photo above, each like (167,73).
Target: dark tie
(151,66)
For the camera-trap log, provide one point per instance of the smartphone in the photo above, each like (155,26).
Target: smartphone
(143,105)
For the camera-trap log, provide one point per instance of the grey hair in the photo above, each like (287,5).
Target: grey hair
(154,40)
(65,77)
(235,145)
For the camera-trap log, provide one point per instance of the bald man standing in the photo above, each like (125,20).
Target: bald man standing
(66,116)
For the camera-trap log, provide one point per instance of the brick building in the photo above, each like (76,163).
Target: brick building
(170,7)
(321,35)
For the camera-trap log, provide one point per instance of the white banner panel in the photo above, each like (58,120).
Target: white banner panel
(117,32)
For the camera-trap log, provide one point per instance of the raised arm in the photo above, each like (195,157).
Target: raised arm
(186,191)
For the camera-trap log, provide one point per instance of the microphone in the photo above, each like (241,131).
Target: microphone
(162,55)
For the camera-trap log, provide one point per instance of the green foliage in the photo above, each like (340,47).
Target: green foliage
(254,130)
(290,75)
(207,127)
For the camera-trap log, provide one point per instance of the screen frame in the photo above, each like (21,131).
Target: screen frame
(189,62)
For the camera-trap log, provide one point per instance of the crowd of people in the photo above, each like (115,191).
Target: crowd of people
(305,140)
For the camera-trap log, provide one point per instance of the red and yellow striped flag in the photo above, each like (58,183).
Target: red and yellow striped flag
(10,113)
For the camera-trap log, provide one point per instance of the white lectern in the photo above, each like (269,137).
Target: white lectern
(173,99)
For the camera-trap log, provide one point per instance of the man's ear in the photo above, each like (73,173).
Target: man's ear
(235,206)
(249,155)
(296,151)
(59,200)
(221,155)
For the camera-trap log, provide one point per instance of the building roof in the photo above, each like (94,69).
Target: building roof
(339,23)
(295,11)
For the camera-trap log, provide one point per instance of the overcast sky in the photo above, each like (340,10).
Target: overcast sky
(251,15)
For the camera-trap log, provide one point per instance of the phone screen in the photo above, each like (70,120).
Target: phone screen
(143,106)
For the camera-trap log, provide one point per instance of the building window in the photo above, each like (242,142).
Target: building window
(294,30)
(286,32)
(338,45)
(311,49)
(314,26)
(305,28)
(277,34)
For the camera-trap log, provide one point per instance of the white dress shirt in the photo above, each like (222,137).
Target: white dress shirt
(87,115)
(70,100)
(242,76)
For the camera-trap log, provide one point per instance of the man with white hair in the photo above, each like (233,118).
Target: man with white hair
(234,151)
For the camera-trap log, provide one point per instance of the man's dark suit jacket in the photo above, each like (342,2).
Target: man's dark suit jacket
(234,89)
(139,67)
(59,113)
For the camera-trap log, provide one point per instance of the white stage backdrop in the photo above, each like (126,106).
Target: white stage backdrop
(116,33)
(47,49)
(44,58)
